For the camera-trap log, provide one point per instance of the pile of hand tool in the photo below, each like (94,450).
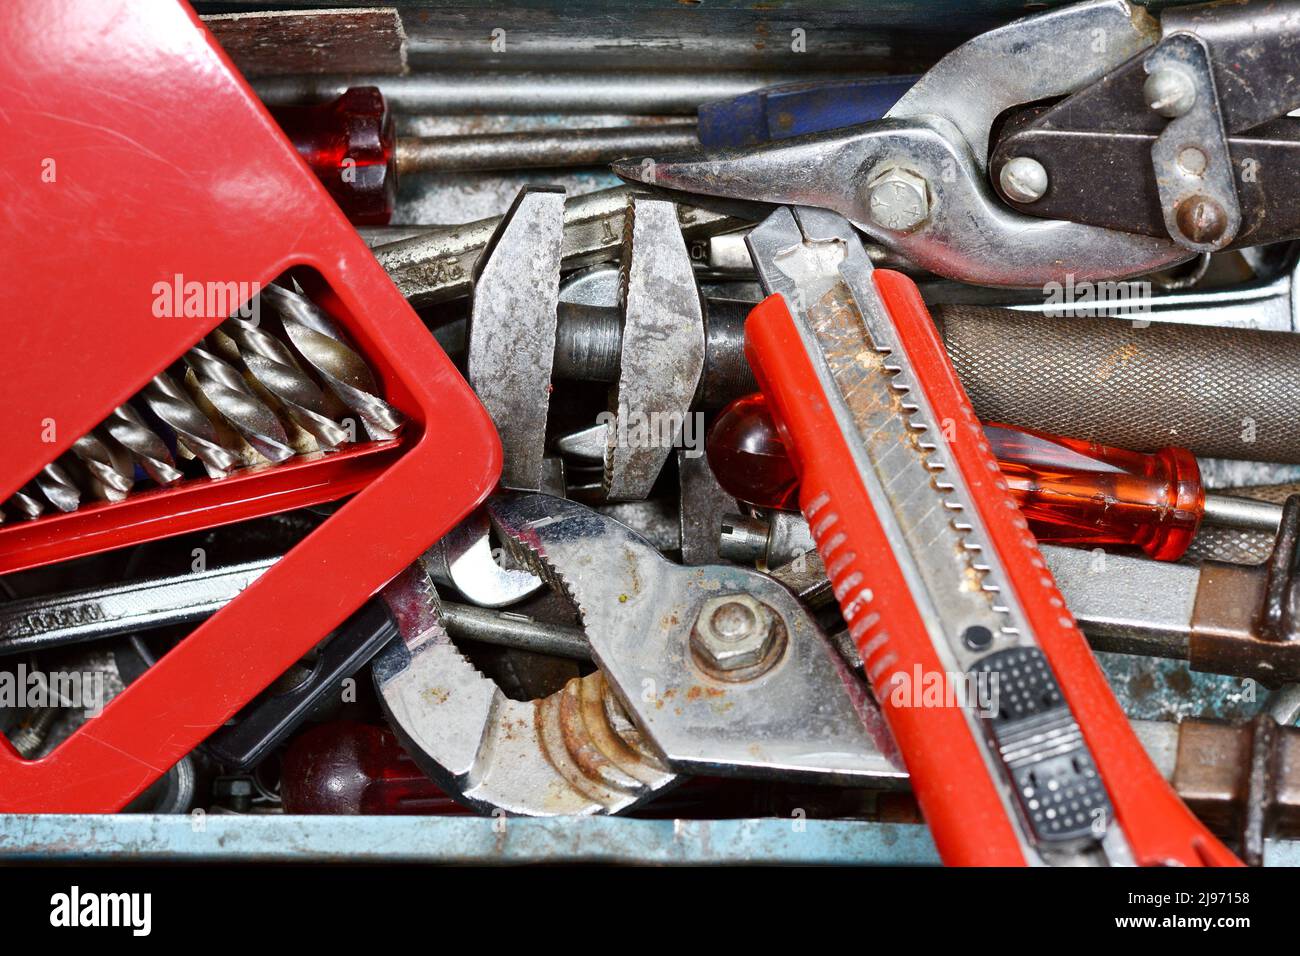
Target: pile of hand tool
(860,456)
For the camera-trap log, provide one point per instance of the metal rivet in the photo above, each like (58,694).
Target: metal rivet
(1192,160)
(977,637)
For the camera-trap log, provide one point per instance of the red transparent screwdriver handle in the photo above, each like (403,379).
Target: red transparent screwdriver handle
(348,143)
(1070,491)
(350,768)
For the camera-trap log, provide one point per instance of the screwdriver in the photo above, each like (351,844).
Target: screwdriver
(350,145)
(1070,491)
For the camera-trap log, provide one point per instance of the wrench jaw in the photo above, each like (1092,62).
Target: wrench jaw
(799,717)
(573,753)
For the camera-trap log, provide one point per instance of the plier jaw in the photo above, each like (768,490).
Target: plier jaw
(916,180)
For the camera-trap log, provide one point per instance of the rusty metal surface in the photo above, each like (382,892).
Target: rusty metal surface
(264,43)
(1225,636)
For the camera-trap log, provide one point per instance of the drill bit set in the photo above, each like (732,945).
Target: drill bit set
(243,397)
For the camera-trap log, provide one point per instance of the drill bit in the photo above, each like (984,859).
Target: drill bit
(25,503)
(227,392)
(58,487)
(196,436)
(131,432)
(107,464)
(270,364)
(320,343)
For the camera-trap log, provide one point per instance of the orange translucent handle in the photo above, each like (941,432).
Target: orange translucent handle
(1070,491)
(1081,493)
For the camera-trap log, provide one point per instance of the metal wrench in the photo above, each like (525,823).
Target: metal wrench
(440,265)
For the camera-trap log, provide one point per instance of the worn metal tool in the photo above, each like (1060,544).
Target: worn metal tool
(916,181)
(350,144)
(621,92)
(709,669)
(440,264)
(513,341)
(512,330)
(936,572)
(1223,618)
(1197,124)
(94,613)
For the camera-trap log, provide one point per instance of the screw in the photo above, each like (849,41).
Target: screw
(734,631)
(1200,219)
(898,199)
(1170,92)
(1023,179)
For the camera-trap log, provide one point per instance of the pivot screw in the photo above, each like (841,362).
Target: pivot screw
(735,631)
(1201,219)
(898,199)
(1170,92)
(1023,179)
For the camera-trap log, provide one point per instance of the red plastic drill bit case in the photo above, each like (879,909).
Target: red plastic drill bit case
(136,153)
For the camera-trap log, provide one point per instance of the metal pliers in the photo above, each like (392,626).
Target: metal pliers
(918,181)
(714,669)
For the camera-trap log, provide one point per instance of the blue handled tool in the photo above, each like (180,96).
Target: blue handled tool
(780,112)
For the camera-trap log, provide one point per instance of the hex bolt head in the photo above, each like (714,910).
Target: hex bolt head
(1170,92)
(1023,179)
(734,631)
(898,199)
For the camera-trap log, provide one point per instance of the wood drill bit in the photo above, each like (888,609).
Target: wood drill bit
(270,364)
(196,435)
(322,346)
(108,465)
(58,487)
(131,432)
(221,385)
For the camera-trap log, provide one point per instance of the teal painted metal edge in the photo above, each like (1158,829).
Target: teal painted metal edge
(276,838)
(78,838)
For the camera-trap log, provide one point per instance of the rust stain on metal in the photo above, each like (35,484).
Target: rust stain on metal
(1116,360)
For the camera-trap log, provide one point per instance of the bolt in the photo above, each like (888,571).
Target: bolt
(1023,179)
(734,631)
(1170,92)
(1200,219)
(898,199)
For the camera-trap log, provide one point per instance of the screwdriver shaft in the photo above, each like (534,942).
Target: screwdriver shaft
(540,148)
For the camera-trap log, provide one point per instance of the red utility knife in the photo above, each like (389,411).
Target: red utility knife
(1017,750)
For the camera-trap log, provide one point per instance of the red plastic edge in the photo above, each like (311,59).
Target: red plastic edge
(1160,828)
(957,796)
(168,163)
